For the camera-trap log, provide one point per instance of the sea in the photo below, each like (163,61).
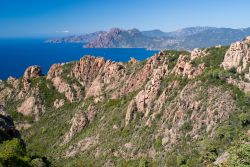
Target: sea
(18,54)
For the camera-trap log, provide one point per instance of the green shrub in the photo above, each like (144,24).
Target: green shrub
(239,155)
(12,153)
(245,118)
(143,163)
(226,132)
(186,127)
(158,144)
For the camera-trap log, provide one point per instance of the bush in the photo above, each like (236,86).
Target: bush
(226,132)
(38,162)
(245,118)
(186,127)
(239,155)
(143,163)
(12,153)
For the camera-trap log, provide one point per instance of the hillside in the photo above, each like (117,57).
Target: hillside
(176,108)
(183,39)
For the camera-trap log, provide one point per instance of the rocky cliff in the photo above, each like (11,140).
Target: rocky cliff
(175,108)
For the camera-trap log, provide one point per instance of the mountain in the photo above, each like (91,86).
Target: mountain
(185,32)
(77,38)
(118,38)
(218,36)
(183,39)
(177,108)
(155,33)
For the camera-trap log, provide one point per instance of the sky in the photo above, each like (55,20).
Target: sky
(42,18)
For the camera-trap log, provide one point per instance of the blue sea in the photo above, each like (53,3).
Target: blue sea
(17,54)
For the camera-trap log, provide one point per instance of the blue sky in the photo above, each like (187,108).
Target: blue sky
(31,18)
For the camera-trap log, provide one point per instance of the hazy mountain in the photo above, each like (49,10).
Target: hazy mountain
(213,36)
(155,33)
(184,39)
(182,33)
(85,38)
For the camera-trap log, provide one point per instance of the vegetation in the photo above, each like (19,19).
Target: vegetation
(13,153)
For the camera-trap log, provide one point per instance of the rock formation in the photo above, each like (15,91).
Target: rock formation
(238,56)
(32,72)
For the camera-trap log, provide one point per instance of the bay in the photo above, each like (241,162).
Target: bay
(18,54)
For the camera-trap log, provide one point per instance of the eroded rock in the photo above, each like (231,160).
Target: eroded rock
(237,56)
(32,72)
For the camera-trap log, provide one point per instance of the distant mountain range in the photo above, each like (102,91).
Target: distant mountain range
(183,39)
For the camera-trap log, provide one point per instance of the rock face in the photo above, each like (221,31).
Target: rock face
(146,96)
(32,72)
(31,106)
(78,122)
(238,56)
(185,68)
(198,53)
(130,112)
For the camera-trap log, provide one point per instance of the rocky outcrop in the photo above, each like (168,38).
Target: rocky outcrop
(145,97)
(130,112)
(79,121)
(133,60)
(82,146)
(198,53)
(222,159)
(32,72)
(31,107)
(64,87)
(55,71)
(238,56)
(242,85)
(59,103)
(185,68)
